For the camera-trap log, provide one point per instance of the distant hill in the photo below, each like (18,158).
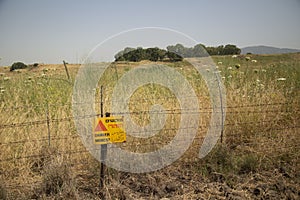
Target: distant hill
(267,50)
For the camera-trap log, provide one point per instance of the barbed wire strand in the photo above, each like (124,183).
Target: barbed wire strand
(167,111)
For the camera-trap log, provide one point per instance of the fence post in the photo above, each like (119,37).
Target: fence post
(221,104)
(103,150)
(66,68)
(48,124)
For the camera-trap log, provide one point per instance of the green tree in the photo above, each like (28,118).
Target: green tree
(178,49)
(220,50)
(199,51)
(18,65)
(212,51)
(173,57)
(231,49)
(120,55)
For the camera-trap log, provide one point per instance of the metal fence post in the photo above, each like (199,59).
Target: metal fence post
(48,124)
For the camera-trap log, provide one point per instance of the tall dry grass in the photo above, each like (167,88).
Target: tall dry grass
(261,128)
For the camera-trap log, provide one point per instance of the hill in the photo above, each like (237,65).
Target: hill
(267,50)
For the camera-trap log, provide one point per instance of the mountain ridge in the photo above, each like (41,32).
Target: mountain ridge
(261,49)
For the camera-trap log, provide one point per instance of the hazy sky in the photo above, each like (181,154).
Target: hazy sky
(55,30)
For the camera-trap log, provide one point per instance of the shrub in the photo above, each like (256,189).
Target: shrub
(18,65)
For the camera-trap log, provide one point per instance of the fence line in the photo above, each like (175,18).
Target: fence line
(44,122)
(128,146)
(259,109)
(166,111)
(43,106)
(173,129)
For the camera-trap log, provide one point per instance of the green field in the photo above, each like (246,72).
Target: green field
(42,156)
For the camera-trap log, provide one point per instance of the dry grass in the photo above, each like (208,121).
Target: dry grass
(258,159)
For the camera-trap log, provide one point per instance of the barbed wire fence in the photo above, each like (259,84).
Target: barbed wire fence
(272,124)
(270,110)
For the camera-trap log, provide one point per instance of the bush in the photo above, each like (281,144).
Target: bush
(18,65)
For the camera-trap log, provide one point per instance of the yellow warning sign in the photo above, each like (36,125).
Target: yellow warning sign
(109,130)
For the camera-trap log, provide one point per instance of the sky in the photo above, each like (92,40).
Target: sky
(50,31)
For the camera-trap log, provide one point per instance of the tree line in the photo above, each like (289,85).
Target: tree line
(174,53)
(152,54)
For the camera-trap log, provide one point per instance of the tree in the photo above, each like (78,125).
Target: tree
(133,56)
(212,51)
(173,57)
(199,51)
(18,65)
(174,53)
(220,50)
(136,55)
(178,49)
(230,49)
(120,55)
(155,54)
